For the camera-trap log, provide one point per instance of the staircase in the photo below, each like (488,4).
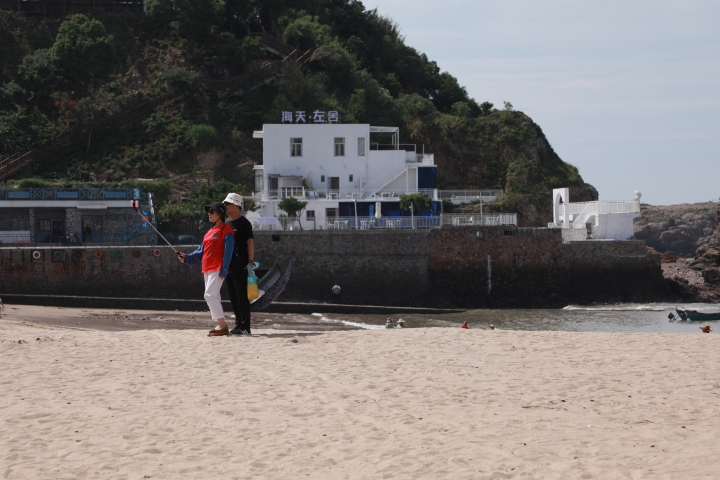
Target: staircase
(21,162)
(373,189)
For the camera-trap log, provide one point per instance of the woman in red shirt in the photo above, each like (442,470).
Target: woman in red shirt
(215,252)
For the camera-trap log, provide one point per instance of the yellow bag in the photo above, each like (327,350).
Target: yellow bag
(252,286)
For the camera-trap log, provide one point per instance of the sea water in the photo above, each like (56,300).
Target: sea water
(627,318)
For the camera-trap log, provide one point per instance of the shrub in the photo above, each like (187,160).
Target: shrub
(201,135)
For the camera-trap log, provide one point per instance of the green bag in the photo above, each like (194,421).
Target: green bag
(252,288)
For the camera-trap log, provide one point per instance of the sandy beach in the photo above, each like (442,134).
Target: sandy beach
(80,401)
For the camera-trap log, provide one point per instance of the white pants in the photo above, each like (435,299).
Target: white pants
(213,283)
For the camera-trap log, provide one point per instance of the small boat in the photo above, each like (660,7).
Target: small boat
(694,315)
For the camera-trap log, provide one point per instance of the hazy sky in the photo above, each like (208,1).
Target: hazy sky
(626,90)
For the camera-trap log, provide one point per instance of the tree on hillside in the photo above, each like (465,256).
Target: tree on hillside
(84,49)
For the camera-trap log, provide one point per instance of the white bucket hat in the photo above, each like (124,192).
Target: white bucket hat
(234,198)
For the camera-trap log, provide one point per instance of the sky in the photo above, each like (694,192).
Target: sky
(628,91)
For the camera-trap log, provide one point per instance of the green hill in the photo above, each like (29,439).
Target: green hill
(66,74)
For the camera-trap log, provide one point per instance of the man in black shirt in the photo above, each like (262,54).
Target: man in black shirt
(243,256)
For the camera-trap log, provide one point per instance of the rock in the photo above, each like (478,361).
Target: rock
(709,254)
(711,275)
(669,257)
(680,228)
(692,281)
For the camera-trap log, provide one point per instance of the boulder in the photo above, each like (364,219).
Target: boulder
(708,254)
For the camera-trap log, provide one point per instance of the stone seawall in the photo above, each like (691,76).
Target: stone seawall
(91,271)
(465,267)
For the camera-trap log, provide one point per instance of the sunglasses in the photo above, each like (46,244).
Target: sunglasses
(211,211)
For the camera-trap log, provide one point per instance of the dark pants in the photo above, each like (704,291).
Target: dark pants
(237,290)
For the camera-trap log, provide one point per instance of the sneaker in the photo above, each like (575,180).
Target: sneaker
(239,331)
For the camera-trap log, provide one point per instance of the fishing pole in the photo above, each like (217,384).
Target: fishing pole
(135,204)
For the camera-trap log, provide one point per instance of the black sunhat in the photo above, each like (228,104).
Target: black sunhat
(217,206)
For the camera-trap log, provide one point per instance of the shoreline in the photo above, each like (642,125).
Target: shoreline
(193,305)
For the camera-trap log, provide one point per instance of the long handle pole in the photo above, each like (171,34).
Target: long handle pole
(136,205)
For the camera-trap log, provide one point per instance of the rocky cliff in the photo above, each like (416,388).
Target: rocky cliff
(691,230)
(679,228)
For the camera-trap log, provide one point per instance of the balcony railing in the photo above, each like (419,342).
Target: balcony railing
(391,223)
(350,223)
(468,196)
(595,208)
(338,194)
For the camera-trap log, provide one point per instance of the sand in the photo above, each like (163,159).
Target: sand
(415,403)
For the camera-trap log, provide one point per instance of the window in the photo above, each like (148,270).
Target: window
(339,147)
(50,230)
(322,178)
(310,214)
(296,147)
(44,225)
(361,146)
(22,224)
(350,178)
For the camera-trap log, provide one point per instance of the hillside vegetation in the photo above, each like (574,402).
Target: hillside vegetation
(61,75)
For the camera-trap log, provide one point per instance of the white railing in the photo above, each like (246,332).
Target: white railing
(492,219)
(390,223)
(293,192)
(341,194)
(284,192)
(338,194)
(595,208)
(420,158)
(484,196)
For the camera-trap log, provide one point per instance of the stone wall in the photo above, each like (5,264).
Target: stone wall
(464,267)
(110,272)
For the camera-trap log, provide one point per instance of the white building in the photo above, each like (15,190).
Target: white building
(351,176)
(594,220)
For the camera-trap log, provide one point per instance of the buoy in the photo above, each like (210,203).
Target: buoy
(37,254)
(137,254)
(57,254)
(117,254)
(77,254)
(157,252)
(98,254)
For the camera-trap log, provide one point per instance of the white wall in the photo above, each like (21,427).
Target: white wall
(615,226)
(406,182)
(318,156)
